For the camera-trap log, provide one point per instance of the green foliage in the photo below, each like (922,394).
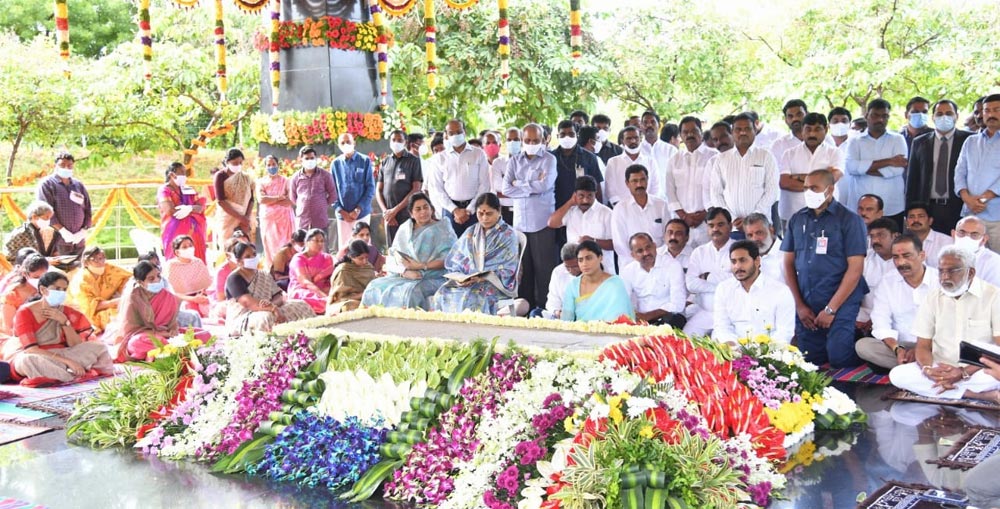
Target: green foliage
(95,26)
(120,407)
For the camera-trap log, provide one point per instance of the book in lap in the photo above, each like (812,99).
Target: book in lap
(458,277)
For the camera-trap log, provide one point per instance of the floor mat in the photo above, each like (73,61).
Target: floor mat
(10,412)
(12,432)
(61,406)
(976,446)
(7,395)
(860,375)
(897,495)
(31,394)
(901,395)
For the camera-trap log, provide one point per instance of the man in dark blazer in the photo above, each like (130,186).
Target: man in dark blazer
(930,180)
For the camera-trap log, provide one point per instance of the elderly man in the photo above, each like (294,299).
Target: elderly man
(970,233)
(640,212)
(919,223)
(675,242)
(758,230)
(751,303)
(530,181)
(561,276)
(870,208)
(69,199)
(709,266)
(352,173)
(585,218)
(896,301)
(656,283)
(964,308)
(460,173)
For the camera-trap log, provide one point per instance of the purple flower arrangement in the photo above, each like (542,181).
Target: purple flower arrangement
(321,451)
(426,477)
(258,398)
(545,432)
(766,381)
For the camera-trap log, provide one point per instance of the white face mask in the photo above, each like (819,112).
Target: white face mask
(630,151)
(347,148)
(840,129)
(235,168)
(513,148)
(813,199)
(187,253)
(602,136)
(958,292)
(567,142)
(397,146)
(180,180)
(944,123)
(598,146)
(250,263)
(532,150)
(457,140)
(64,172)
(969,244)
(310,164)
(33,281)
(423,150)
(42,224)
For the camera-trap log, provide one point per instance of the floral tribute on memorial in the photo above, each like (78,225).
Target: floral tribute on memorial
(296,128)
(660,420)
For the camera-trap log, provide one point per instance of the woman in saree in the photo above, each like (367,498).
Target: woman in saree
(97,288)
(255,301)
(418,250)
(362,231)
(50,343)
(234,191)
(282,259)
(350,278)
(277,218)
(309,272)
(182,212)
(595,295)
(488,253)
(188,276)
(150,312)
(35,233)
(20,286)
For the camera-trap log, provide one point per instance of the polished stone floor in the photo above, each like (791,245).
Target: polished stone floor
(46,470)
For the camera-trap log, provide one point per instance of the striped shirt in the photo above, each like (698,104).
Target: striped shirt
(745,184)
(688,187)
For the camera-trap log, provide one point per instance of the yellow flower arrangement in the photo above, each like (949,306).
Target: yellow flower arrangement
(792,416)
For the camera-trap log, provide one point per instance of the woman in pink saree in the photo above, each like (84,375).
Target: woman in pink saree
(150,312)
(310,271)
(182,212)
(277,219)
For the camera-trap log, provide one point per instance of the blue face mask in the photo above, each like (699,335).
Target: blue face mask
(273,170)
(56,298)
(918,120)
(944,123)
(514,147)
(156,287)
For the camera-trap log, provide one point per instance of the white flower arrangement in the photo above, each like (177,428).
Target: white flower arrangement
(383,398)
(836,402)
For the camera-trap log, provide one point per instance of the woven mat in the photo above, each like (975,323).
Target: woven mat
(29,394)
(7,395)
(901,395)
(860,375)
(976,446)
(10,412)
(898,495)
(61,406)
(12,432)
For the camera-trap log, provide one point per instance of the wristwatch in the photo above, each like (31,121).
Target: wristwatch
(830,311)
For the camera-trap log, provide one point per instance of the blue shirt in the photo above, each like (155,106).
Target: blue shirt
(531,183)
(355,183)
(581,162)
(978,170)
(819,275)
(861,153)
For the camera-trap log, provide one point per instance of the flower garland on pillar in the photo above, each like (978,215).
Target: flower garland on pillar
(430,31)
(273,51)
(382,55)
(250,6)
(220,51)
(575,35)
(62,33)
(145,35)
(503,28)
(461,4)
(398,8)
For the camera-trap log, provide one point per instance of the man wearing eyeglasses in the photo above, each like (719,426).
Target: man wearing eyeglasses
(970,233)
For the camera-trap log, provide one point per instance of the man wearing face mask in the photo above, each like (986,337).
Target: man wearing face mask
(824,250)
(977,169)
(608,149)
(458,175)
(840,126)
(970,234)
(572,161)
(876,160)
(498,168)
(616,185)
(963,308)
(69,199)
(401,176)
(352,172)
(530,182)
(313,191)
(917,120)
(931,169)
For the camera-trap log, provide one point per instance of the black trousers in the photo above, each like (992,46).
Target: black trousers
(540,256)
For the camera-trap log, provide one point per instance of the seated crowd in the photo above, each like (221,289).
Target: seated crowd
(857,245)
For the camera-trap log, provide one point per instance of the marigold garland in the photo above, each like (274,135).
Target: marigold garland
(575,35)
(430,31)
(62,33)
(458,4)
(338,33)
(220,51)
(145,36)
(503,29)
(251,6)
(397,8)
(273,51)
(383,57)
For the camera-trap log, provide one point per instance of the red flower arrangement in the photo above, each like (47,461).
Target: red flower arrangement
(338,33)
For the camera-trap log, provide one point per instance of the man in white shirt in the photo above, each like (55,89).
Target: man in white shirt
(970,233)
(751,303)
(896,301)
(758,230)
(744,180)
(878,263)
(688,187)
(654,148)
(675,242)
(708,266)
(919,222)
(531,182)
(963,308)
(876,160)
(870,208)
(561,276)
(615,181)
(764,135)
(656,283)
(802,158)
(641,212)
(498,168)
(461,173)
(586,219)
(794,112)
(722,140)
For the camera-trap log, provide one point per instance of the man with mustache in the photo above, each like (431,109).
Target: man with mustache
(758,230)
(919,222)
(585,218)
(687,183)
(895,305)
(977,170)
(878,263)
(970,233)
(656,284)
(656,149)
(963,308)
(751,303)
(744,180)
(615,183)
(708,267)
(812,153)
(675,242)
(931,170)
(876,160)
(794,112)
(722,137)
(640,212)
(917,116)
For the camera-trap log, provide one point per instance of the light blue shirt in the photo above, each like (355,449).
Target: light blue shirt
(978,170)
(861,153)
(531,183)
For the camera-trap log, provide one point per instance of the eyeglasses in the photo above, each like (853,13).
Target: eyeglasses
(971,235)
(952,271)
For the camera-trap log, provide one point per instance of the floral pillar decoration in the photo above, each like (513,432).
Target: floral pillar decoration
(220,51)
(430,32)
(274,53)
(575,35)
(503,28)
(146,37)
(383,57)
(62,32)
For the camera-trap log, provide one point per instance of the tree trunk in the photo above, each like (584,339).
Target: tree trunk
(22,128)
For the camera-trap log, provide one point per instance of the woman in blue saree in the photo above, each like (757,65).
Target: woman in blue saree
(595,295)
(490,250)
(419,250)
